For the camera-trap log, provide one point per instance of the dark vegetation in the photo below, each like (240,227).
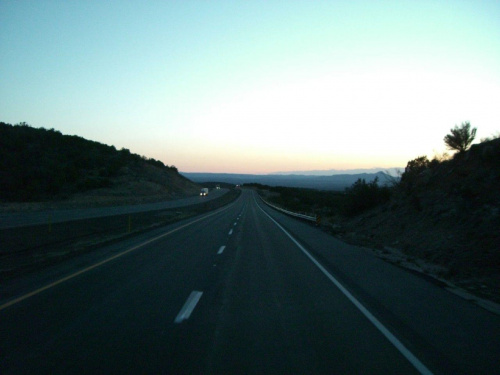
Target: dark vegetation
(460,137)
(299,199)
(443,212)
(360,197)
(41,164)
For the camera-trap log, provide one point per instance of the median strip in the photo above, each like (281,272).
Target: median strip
(73,275)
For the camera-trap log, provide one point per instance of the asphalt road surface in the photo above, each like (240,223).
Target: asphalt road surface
(243,289)
(20,219)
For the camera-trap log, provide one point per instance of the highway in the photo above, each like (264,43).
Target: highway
(243,289)
(22,219)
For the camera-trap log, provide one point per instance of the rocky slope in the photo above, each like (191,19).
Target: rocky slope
(448,222)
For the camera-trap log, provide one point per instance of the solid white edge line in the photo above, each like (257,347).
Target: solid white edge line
(392,339)
(188,307)
(60,281)
(221,249)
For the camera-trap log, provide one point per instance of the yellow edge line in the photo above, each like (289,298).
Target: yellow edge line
(60,281)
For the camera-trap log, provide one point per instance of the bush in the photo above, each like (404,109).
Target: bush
(362,196)
(413,169)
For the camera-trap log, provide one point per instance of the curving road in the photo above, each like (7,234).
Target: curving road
(243,289)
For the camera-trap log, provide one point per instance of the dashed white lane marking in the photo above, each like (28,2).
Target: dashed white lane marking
(221,250)
(188,307)
(82,271)
(235,224)
(230,232)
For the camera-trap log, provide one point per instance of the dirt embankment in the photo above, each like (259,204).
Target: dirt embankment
(447,225)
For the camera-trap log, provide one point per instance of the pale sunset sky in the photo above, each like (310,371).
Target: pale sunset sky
(254,86)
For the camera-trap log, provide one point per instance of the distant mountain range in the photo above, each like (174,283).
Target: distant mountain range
(332,182)
(329,172)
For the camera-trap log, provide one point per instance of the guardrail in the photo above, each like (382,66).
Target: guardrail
(314,219)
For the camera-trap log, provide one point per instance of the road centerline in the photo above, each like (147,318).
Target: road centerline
(107,260)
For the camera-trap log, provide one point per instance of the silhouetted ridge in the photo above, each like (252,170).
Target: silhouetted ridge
(41,164)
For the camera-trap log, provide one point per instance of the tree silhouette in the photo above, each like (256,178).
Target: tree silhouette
(460,138)
(413,169)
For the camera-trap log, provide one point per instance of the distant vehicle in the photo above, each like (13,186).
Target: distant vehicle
(204,191)
(217,187)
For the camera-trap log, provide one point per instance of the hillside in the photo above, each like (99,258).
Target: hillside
(448,215)
(40,165)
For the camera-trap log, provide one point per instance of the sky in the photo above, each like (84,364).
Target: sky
(254,86)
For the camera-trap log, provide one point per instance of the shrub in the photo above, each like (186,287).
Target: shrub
(413,169)
(362,196)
